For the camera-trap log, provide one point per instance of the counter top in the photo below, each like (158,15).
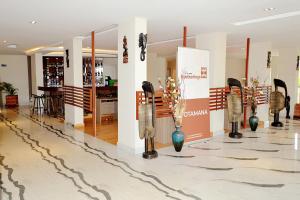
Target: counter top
(107,98)
(50,89)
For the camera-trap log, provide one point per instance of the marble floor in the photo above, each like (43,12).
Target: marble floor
(42,159)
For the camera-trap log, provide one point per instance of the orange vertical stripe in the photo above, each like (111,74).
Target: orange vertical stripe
(93,84)
(247,78)
(184,36)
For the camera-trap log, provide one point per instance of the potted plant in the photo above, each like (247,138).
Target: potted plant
(252,97)
(11,94)
(173,94)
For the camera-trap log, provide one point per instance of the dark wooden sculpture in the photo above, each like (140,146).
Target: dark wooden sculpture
(143,45)
(235,106)
(278,101)
(147,121)
(288,107)
(125,53)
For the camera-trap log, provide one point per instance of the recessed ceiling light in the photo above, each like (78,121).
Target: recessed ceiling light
(33,22)
(269,9)
(269,18)
(12,46)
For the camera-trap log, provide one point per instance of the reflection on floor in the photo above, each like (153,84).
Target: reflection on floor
(107,131)
(41,158)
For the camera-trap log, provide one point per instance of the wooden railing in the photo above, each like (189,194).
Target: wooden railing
(162,107)
(87,99)
(217,97)
(73,96)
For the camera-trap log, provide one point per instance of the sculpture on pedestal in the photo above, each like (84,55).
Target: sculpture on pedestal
(147,120)
(278,101)
(235,106)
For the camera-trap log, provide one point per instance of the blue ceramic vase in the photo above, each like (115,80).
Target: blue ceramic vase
(253,121)
(178,139)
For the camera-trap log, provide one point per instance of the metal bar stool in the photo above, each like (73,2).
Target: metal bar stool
(49,107)
(38,104)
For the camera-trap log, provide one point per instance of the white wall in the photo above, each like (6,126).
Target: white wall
(235,68)
(16,73)
(156,69)
(284,68)
(110,67)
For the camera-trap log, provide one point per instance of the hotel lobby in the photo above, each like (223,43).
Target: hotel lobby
(125,100)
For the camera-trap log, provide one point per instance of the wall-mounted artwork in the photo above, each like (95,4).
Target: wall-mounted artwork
(125,53)
(269,59)
(67,58)
(143,45)
(298,60)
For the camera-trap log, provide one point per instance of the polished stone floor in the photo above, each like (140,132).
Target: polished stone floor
(42,159)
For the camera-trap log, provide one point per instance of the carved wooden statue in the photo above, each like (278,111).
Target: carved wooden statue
(235,106)
(147,121)
(143,45)
(278,101)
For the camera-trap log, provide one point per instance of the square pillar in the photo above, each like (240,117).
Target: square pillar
(215,43)
(37,73)
(258,55)
(130,78)
(73,78)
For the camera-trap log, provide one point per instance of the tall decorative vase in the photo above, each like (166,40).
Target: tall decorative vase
(253,121)
(178,139)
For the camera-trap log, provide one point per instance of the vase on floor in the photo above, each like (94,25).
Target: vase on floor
(253,121)
(178,139)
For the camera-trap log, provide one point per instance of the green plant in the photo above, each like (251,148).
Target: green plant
(8,88)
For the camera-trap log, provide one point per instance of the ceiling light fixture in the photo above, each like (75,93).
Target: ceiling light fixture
(12,46)
(269,9)
(4,41)
(269,18)
(33,22)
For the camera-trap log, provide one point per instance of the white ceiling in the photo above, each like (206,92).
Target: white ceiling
(59,20)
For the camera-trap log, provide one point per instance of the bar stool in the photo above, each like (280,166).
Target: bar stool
(38,104)
(49,107)
(60,106)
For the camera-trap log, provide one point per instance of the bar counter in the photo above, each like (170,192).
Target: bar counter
(51,89)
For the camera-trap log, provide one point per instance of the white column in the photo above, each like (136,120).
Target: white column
(73,77)
(258,55)
(130,78)
(216,44)
(37,73)
(284,68)
(156,69)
